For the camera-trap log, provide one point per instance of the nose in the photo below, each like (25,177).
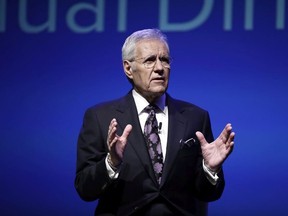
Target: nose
(158,65)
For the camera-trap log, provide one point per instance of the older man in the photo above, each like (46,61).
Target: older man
(148,153)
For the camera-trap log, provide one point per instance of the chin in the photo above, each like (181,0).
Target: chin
(159,91)
(158,88)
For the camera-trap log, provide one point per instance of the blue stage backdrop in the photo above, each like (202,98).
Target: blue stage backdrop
(58,57)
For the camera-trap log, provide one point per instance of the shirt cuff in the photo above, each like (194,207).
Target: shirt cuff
(211,176)
(112,174)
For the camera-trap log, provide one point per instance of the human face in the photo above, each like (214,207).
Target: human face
(151,83)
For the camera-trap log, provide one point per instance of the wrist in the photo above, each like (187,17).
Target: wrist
(213,170)
(113,165)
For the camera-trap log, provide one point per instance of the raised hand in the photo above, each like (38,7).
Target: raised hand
(216,152)
(116,144)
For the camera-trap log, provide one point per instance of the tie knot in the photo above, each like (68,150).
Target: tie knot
(151,108)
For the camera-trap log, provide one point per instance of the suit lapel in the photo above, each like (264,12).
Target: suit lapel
(127,114)
(175,133)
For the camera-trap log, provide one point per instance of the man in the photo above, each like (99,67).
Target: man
(147,153)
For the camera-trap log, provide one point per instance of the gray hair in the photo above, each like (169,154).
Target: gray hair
(128,48)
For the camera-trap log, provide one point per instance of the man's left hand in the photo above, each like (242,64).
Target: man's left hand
(215,153)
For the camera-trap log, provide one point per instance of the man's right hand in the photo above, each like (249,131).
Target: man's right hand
(117,144)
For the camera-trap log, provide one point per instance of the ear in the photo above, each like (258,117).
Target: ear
(128,69)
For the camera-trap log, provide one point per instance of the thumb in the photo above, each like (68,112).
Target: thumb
(201,138)
(126,131)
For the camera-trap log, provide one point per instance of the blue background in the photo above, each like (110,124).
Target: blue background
(48,79)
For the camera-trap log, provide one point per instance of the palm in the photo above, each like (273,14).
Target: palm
(215,153)
(116,144)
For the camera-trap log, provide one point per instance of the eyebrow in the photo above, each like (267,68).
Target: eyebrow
(153,56)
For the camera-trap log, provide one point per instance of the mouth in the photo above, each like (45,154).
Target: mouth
(158,79)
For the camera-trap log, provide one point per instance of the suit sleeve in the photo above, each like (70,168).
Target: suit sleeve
(91,173)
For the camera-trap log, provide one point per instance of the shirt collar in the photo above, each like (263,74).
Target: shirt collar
(142,103)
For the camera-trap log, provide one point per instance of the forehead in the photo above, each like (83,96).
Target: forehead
(151,47)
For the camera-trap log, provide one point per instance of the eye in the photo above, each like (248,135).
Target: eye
(150,59)
(165,59)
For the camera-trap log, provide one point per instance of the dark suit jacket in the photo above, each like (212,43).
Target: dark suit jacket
(184,189)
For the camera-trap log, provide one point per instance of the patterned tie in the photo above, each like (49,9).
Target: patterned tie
(153,142)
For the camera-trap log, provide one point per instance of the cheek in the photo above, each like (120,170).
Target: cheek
(167,73)
(143,79)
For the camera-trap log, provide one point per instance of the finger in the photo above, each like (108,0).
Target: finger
(112,124)
(224,136)
(201,138)
(112,133)
(229,147)
(230,142)
(231,137)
